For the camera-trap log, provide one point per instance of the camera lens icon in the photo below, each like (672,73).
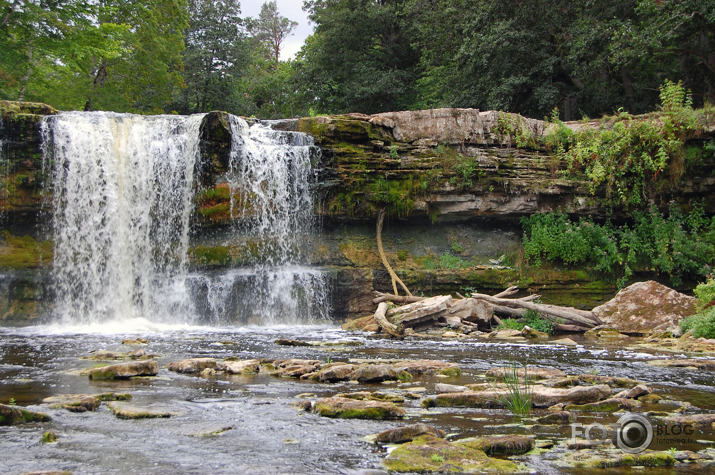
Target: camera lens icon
(633,434)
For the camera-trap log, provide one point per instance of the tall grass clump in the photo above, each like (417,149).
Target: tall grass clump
(518,393)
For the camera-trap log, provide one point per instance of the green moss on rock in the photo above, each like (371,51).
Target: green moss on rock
(431,454)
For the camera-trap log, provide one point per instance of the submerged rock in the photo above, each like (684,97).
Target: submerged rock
(125,370)
(13,415)
(295,368)
(431,454)
(345,408)
(373,396)
(591,379)
(500,444)
(697,421)
(646,307)
(408,433)
(192,365)
(587,457)
(441,388)
(104,355)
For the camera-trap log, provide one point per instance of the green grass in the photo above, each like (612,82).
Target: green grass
(518,396)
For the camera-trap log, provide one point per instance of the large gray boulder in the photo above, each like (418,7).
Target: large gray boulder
(646,307)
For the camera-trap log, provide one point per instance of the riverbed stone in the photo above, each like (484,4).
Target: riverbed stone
(428,367)
(124,411)
(449,388)
(607,405)
(646,307)
(374,373)
(295,368)
(605,458)
(533,373)
(334,372)
(105,355)
(512,444)
(557,417)
(192,365)
(373,396)
(564,342)
(635,392)
(591,379)
(530,333)
(14,415)
(428,453)
(408,433)
(346,408)
(698,421)
(74,402)
(240,367)
(542,396)
(125,370)
(684,363)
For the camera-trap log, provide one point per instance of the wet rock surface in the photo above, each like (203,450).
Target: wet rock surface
(125,370)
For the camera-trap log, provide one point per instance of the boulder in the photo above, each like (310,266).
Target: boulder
(374,373)
(530,333)
(408,433)
(13,415)
(346,408)
(240,367)
(646,307)
(697,421)
(192,365)
(125,370)
(428,453)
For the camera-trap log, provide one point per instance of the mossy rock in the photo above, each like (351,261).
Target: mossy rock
(13,415)
(604,459)
(23,252)
(344,408)
(123,411)
(431,454)
(500,444)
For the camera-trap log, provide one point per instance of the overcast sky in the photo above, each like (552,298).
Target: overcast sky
(292,9)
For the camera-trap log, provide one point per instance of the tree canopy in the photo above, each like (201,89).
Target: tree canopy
(585,58)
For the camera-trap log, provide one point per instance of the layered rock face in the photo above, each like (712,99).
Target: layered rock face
(454,182)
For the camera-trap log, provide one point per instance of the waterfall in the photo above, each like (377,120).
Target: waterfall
(269,181)
(122,188)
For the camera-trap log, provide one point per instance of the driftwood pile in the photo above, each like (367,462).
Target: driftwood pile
(478,312)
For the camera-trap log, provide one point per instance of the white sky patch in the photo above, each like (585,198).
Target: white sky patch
(291,9)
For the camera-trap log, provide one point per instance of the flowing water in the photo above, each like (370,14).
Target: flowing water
(122,199)
(246,424)
(123,194)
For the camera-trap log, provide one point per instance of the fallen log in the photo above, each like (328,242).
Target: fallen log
(394,278)
(383,297)
(564,328)
(552,313)
(388,327)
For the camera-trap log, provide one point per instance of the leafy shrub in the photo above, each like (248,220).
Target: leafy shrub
(537,322)
(511,324)
(628,156)
(450,261)
(703,323)
(678,245)
(705,292)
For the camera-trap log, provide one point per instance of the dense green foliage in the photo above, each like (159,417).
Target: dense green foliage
(532,319)
(586,58)
(681,246)
(703,323)
(629,157)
